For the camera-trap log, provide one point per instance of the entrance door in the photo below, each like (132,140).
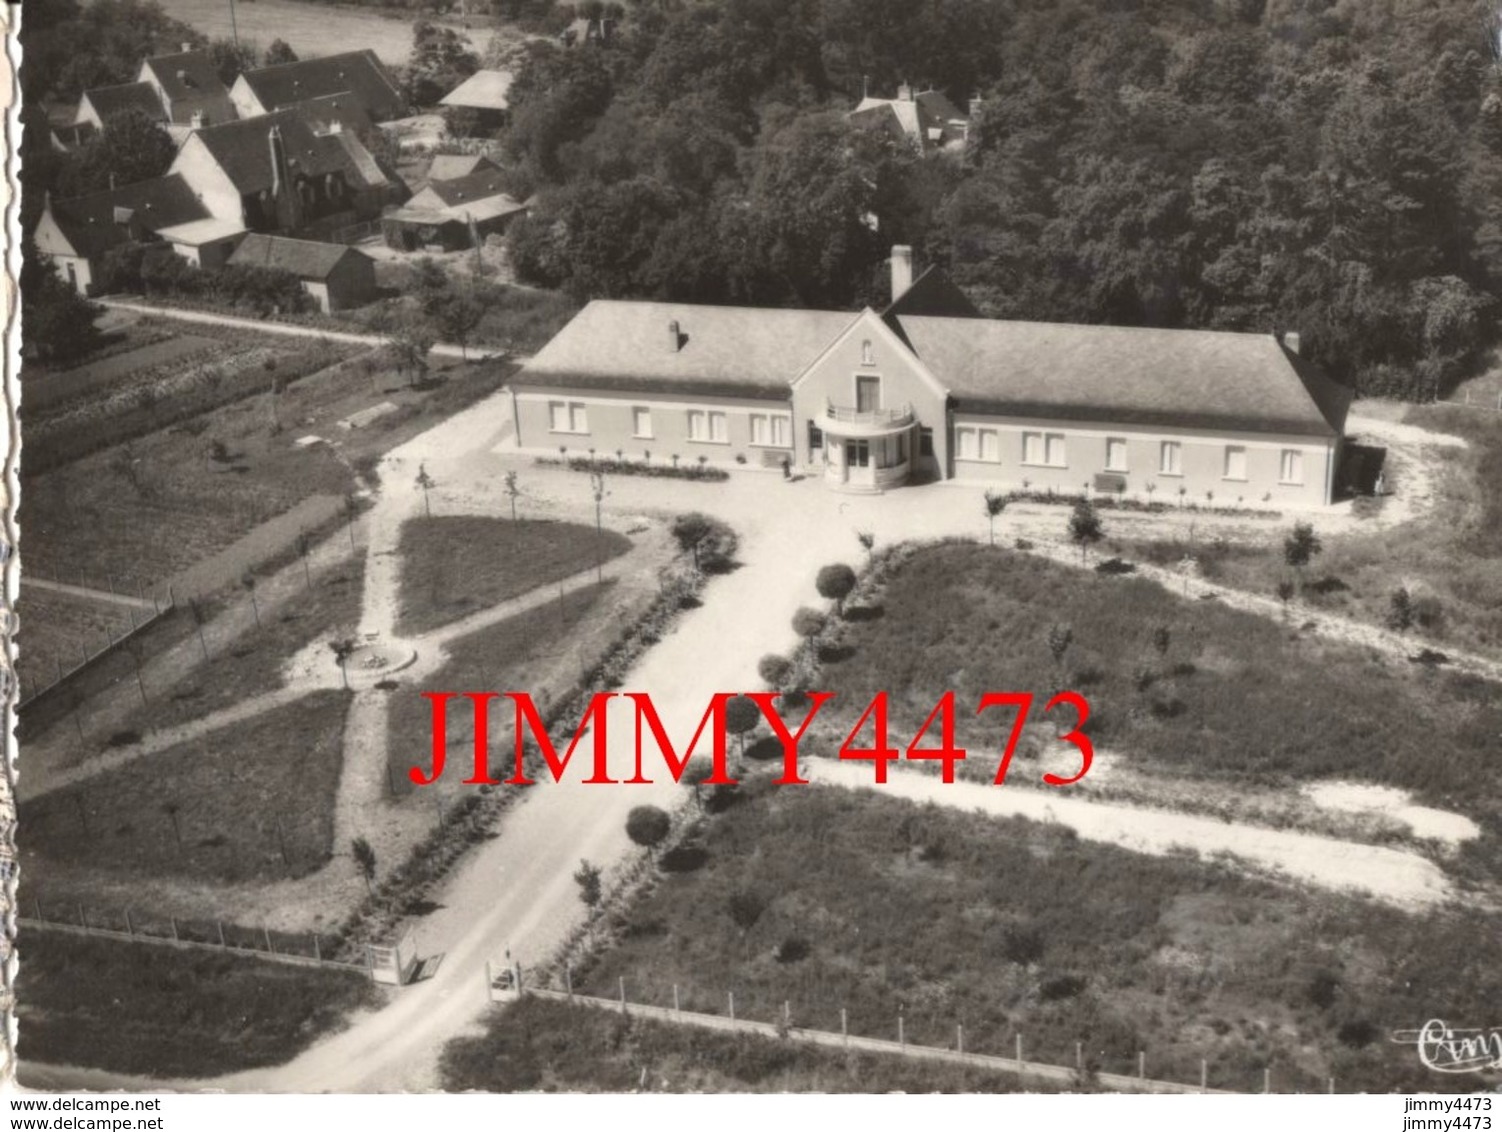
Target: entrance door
(867,394)
(858,461)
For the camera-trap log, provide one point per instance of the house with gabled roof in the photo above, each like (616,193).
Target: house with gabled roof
(101,103)
(188,87)
(926,119)
(453,213)
(926,389)
(277,173)
(338,277)
(75,233)
(356,74)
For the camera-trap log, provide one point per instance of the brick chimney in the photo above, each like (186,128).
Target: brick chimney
(1292,341)
(902,270)
(905,93)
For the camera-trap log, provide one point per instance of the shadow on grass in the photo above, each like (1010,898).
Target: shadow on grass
(859,613)
(684,859)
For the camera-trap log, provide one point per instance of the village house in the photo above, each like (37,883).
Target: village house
(926,119)
(276,173)
(188,88)
(354,74)
(927,390)
(100,104)
(75,234)
(450,214)
(337,277)
(479,104)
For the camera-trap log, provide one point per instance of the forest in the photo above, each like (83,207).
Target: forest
(1327,166)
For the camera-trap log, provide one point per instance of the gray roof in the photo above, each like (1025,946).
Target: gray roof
(483,90)
(358,73)
(187,74)
(452,166)
(1128,375)
(243,150)
(307,259)
(110,100)
(95,223)
(730,351)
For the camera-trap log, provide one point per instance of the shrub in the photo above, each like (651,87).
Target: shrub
(1061,987)
(809,623)
(648,826)
(745,908)
(835,583)
(1115,566)
(792,950)
(774,669)
(1400,610)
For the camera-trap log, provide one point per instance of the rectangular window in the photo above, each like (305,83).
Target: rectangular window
(577,420)
(867,394)
(641,423)
(967,444)
(925,442)
(567,416)
(1170,459)
(1292,466)
(761,429)
(719,429)
(782,429)
(990,445)
(1116,454)
(1235,462)
(698,424)
(815,436)
(1054,445)
(1032,448)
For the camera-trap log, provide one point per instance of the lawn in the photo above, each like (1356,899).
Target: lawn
(1235,698)
(827,899)
(249,802)
(143,1009)
(60,629)
(542,651)
(453,565)
(538,1045)
(1448,561)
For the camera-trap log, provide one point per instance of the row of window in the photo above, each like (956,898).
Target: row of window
(1047,450)
(710,426)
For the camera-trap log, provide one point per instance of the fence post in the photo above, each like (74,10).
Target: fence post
(220,925)
(621,982)
(37,904)
(1204,1073)
(83,920)
(489,980)
(1141,1065)
(676,1008)
(1332,1085)
(844,1026)
(959,1038)
(901,1033)
(111,579)
(317,952)
(568,980)
(266,932)
(170,599)
(174,928)
(1079,1056)
(1267,1079)
(1019,1051)
(128,929)
(732,1006)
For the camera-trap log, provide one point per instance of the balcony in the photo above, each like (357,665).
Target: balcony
(868,422)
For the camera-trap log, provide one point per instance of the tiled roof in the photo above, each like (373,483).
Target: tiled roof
(307,259)
(95,223)
(932,293)
(734,351)
(243,150)
(358,72)
(463,190)
(1128,375)
(452,166)
(483,90)
(109,100)
(187,74)
(326,111)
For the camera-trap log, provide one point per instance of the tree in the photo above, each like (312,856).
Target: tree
(171,810)
(741,717)
(745,908)
(1285,594)
(426,482)
(690,530)
(343,649)
(232,59)
(591,891)
(1300,547)
(131,147)
(248,581)
(441,59)
(996,503)
(456,314)
(512,491)
(835,582)
(365,861)
(1085,527)
(1162,638)
(410,342)
(199,617)
(1060,637)
(304,545)
(279,52)
(1400,610)
(809,623)
(774,669)
(648,826)
(57,323)
(867,539)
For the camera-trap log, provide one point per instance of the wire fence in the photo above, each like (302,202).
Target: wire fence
(137,614)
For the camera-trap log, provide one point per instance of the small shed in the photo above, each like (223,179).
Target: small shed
(338,277)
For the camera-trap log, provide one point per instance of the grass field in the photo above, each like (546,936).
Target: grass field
(453,565)
(827,899)
(59,629)
(314,29)
(541,652)
(551,1046)
(1448,560)
(1235,699)
(136,1008)
(248,802)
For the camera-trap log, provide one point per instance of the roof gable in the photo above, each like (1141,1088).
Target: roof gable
(95,223)
(307,259)
(932,293)
(110,100)
(242,149)
(357,73)
(1122,374)
(869,324)
(452,166)
(483,90)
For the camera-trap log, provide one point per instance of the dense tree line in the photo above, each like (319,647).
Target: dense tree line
(1318,165)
